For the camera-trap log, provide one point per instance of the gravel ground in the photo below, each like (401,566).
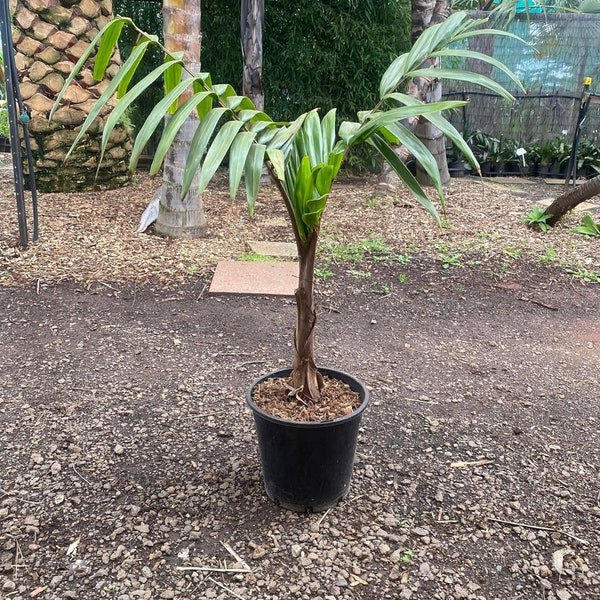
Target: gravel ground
(129,466)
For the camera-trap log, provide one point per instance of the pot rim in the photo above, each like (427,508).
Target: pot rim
(358,387)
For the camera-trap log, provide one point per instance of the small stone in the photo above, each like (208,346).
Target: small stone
(296,550)
(8,586)
(147,572)
(259,552)
(563,595)
(420,531)
(37,458)
(384,549)
(118,449)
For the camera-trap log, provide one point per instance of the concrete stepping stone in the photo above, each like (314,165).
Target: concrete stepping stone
(264,278)
(278,249)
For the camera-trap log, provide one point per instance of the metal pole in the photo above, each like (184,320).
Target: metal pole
(14,102)
(583,108)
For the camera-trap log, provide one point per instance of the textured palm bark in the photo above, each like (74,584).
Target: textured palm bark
(179,217)
(424,13)
(569,200)
(252,18)
(49,37)
(305,376)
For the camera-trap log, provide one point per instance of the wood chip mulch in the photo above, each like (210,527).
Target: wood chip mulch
(91,237)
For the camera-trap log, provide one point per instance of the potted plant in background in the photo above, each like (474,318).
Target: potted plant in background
(588,158)
(306,417)
(546,153)
(485,148)
(457,165)
(507,158)
(562,155)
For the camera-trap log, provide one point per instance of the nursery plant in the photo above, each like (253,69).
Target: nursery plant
(303,158)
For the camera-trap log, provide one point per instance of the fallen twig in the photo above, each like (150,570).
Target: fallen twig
(323,517)
(472,463)
(199,296)
(537,527)
(109,286)
(235,555)
(226,589)
(213,569)
(80,475)
(542,304)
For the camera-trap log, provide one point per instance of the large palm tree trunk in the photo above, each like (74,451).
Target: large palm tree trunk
(49,37)
(179,217)
(252,17)
(424,13)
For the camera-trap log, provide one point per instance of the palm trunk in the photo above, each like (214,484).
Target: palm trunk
(179,217)
(304,374)
(49,37)
(252,17)
(569,200)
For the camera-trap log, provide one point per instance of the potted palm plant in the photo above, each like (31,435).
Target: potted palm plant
(306,417)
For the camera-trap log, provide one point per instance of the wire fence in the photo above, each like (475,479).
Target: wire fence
(533,117)
(561,50)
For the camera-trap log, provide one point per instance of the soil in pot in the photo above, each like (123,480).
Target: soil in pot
(307,465)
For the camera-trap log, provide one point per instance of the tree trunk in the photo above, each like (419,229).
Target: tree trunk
(424,13)
(305,376)
(569,200)
(49,37)
(252,18)
(179,217)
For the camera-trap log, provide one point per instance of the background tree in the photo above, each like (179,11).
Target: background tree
(181,216)
(252,18)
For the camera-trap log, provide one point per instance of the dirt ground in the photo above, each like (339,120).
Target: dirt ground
(128,464)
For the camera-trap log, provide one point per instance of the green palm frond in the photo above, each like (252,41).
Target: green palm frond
(304,155)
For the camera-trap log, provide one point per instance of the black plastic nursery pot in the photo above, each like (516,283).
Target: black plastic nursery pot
(307,466)
(457,168)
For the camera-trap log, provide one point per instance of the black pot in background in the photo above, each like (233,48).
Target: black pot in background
(511,168)
(457,168)
(307,466)
(487,168)
(544,169)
